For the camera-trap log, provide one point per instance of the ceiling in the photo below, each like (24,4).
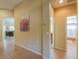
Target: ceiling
(56,3)
(9,4)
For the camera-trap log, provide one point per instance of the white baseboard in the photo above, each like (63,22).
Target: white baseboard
(60,48)
(44,57)
(29,49)
(55,48)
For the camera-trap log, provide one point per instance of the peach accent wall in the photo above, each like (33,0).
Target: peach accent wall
(60,24)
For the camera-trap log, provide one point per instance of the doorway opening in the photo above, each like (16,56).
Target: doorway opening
(63,32)
(71,33)
(8,30)
(8,27)
(8,35)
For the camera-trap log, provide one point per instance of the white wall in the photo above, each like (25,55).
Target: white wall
(46,29)
(51,9)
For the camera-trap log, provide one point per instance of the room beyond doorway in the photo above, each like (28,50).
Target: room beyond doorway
(71,33)
(63,47)
(8,27)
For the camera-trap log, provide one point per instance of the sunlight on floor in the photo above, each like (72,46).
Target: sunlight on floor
(69,54)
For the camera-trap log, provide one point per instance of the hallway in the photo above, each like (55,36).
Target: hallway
(32,37)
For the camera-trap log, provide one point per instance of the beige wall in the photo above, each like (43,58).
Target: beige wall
(32,38)
(37,39)
(60,24)
(2,14)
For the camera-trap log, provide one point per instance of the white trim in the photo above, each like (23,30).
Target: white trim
(29,49)
(60,48)
(44,57)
